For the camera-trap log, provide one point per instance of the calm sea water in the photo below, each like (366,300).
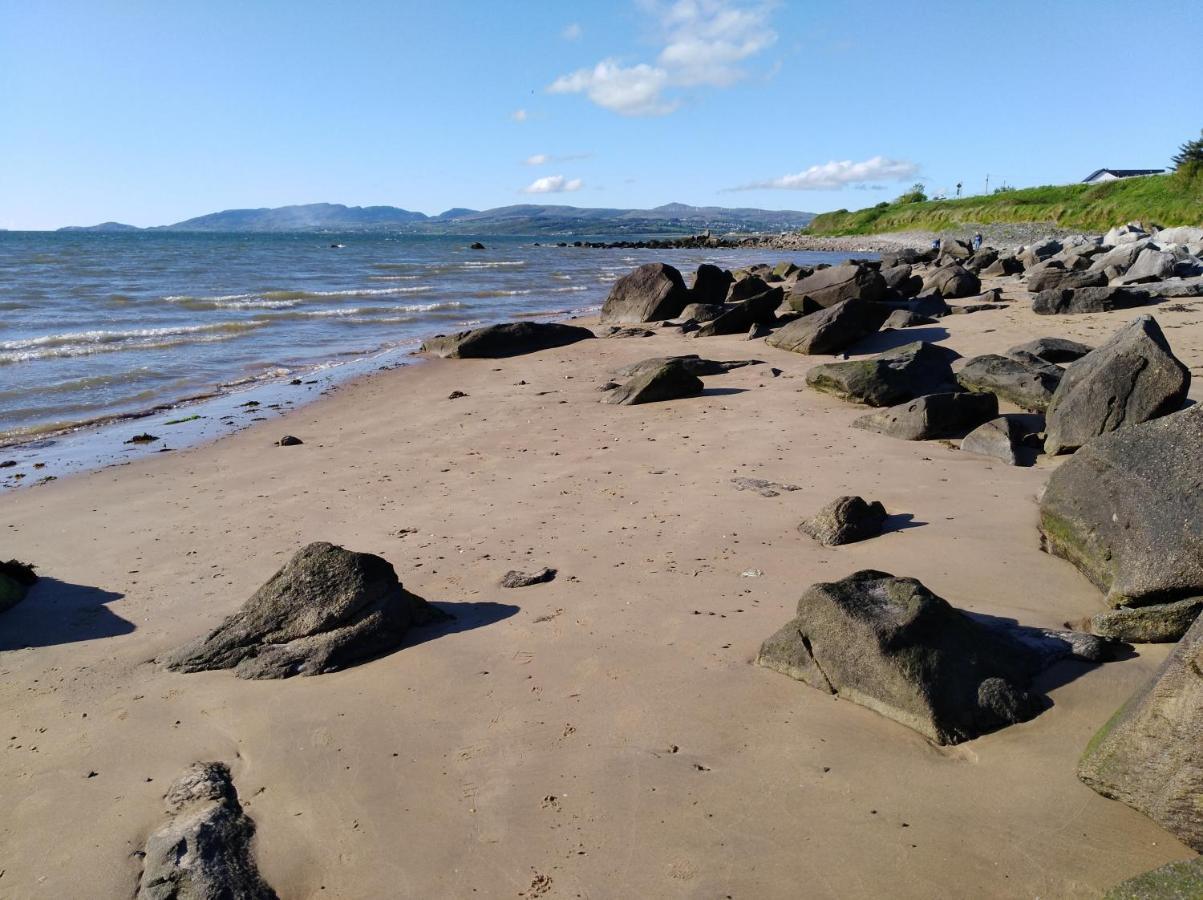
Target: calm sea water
(96,325)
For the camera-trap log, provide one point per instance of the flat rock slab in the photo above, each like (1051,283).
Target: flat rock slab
(1028,385)
(1125,510)
(1132,378)
(1071,301)
(1150,755)
(830,330)
(670,380)
(508,339)
(327,609)
(1161,623)
(516,579)
(693,363)
(845,520)
(901,374)
(203,851)
(892,645)
(1052,349)
(762,487)
(932,416)
(835,284)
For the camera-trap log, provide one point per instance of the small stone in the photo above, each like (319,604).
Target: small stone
(516,579)
(845,520)
(289,441)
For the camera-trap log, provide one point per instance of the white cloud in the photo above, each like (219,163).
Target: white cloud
(553,184)
(519,115)
(538,159)
(630,91)
(572,32)
(703,43)
(542,159)
(834,175)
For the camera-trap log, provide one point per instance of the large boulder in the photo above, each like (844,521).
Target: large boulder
(1002,267)
(1183,234)
(710,284)
(1150,754)
(508,339)
(893,376)
(830,330)
(901,280)
(16,578)
(1074,301)
(1001,438)
(952,281)
(1151,265)
(845,520)
(1028,384)
(203,851)
(653,292)
(1052,349)
(702,312)
(1064,279)
(892,645)
(1159,623)
(1132,378)
(932,416)
(327,609)
(752,286)
(760,309)
(952,249)
(981,260)
(670,380)
(1119,259)
(1125,510)
(833,285)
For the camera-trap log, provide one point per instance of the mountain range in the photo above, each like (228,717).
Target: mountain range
(672,218)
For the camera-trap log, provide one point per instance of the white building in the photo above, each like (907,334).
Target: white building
(1116,174)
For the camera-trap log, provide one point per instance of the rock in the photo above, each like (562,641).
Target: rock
(1001,438)
(1122,234)
(692,362)
(762,487)
(1183,234)
(830,330)
(1171,288)
(670,380)
(837,284)
(625,331)
(1052,349)
(784,270)
(1132,378)
(932,416)
(476,245)
(16,578)
(904,318)
(292,441)
(760,309)
(845,520)
(752,286)
(955,250)
(901,374)
(1150,754)
(906,256)
(1002,267)
(1029,386)
(203,852)
(1174,881)
(145,438)
(1125,510)
(1072,301)
(932,305)
(702,312)
(1157,624)
(327,609)
(650,293)
(981,260)
(1064,279)
(1119,258)
(901,281)
(516,579)
(710,286)
(951,282)
(507,339)
(1151,265)
(892,645)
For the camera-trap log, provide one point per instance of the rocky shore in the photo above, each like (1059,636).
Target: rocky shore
(514,622)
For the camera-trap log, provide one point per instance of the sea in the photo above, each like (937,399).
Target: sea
(100,331)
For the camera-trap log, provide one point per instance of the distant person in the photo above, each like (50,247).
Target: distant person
(935,245)
(977,242)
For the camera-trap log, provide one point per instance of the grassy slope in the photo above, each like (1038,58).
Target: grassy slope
(1167,200)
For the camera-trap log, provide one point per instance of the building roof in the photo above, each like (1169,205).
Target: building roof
(1122,173)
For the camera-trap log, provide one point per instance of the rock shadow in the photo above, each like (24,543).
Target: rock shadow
(722,391)
(881,341)
(900,522)
(58,612)
(467,616)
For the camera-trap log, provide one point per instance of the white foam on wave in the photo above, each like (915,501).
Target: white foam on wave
(89,343)
(498,264)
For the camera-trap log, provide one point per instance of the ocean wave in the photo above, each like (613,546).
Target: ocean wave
(498,264)
(369,310)
(168,338)
(68,338)
(513,293)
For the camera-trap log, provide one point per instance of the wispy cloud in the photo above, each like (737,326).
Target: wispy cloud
(572,32)
(542,159)
(520,115)
(553,184)
(834,175)
(703,44)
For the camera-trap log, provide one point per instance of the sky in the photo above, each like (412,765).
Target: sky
(152,112)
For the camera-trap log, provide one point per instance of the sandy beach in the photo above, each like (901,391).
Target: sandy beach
(602,735)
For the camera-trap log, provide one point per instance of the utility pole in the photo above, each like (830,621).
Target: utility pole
(987,182)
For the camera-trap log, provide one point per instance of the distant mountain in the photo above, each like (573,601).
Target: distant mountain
(103,226)
(672,218)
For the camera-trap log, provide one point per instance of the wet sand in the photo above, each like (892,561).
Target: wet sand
(607,730)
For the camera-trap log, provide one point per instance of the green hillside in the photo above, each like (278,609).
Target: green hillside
(1167,200)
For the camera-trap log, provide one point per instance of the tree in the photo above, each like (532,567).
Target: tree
(1190,153)
(915,195)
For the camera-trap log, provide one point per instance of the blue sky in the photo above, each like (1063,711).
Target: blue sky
(152,112)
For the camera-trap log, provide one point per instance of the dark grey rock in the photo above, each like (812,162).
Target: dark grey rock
(836,284)
(292,441)
(1151,265)
(327,609)
(1125,510)
(670,380)
(752,286)
(845,520)
(203,851)
(703,312)
(516,579)
(1002,267)
(1150,754)
(1052,349)
(759,309)
(507,339)
(1132,378)
(1001,438)
(830,330)
(932,416)
(904,318)
(952,281)
(710,285)
(1160,623)
(892,645)
(1026,385)
(981,260)
(901,280)
(932,305)
(893,376)
(1087,300)
(692,362)
(16,578)
(619,332)
(652,292)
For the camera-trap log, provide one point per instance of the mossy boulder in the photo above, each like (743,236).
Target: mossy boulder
(1029,384)
(1176,881)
